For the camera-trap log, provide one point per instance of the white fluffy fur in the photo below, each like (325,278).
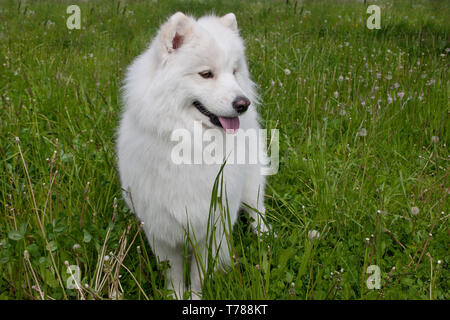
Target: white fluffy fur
(160,87)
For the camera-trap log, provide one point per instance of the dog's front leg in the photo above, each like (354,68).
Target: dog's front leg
(253,196)
(174,275)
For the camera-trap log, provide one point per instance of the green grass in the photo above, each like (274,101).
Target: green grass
(59,94)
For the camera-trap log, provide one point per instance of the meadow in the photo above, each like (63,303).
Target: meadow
(363,120)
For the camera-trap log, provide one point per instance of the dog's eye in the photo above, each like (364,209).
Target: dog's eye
(207,74)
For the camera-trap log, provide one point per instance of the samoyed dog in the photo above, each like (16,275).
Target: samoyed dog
(194,71)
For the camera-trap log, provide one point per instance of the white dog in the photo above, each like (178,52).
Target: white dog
(193,70)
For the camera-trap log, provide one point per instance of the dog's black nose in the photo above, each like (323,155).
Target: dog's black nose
(240,104)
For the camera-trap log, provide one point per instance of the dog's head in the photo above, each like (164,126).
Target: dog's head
(195,68)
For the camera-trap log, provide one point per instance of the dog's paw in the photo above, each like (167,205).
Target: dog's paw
(195,296)
(259,228)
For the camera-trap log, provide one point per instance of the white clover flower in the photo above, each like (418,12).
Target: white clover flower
(76,246)
(401,94)
(336,94)
(389,99)
(313,235)
(396,85)
(415,211)
(287,71)
(341,78)
(435,139)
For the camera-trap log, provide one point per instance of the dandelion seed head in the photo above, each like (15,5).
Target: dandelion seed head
(415,211)
(362,132)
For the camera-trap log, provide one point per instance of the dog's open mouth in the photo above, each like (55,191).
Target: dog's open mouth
(231,125)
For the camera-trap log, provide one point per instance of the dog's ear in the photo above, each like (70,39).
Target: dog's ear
(175,31)
(229,21)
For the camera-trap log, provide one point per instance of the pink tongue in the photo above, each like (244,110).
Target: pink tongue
(231,125)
